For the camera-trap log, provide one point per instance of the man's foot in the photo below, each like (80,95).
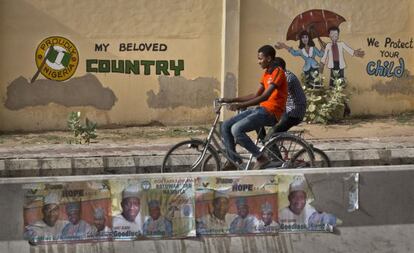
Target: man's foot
(229,166)
(261,161)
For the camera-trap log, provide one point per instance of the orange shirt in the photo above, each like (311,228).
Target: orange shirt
(276,103)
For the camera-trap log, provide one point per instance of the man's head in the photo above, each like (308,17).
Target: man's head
(154,209)
(50,209)
(73,210)
(220,204)
(99,218)
(265,55)
(242,207)
(130,202)
(297,196)
(280,63)
(334,33)
(267,213)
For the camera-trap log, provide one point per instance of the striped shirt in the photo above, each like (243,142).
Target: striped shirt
(296,101)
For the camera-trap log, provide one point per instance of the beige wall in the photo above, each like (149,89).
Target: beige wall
(193,32)
(267,21)
(191,29)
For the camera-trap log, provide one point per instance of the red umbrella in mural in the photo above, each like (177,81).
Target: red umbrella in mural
(316,22)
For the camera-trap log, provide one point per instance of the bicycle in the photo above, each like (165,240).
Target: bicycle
(204,155)
(321,159)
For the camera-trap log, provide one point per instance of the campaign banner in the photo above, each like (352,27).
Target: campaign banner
(236,205)
(152,208)
(297,212)
(67,212)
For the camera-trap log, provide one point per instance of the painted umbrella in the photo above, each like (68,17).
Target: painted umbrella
(316,22)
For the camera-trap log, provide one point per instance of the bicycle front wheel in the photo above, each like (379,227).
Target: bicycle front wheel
(321,159)
(187,156)
(283,149)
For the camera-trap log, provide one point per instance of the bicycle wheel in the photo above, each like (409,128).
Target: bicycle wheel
(321,159)
(186,155)
(282,150)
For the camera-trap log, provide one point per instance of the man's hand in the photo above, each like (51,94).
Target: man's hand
(235,107)
(359,53)
(225,100)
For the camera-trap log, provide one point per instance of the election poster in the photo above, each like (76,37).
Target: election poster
(67,212)
(152,208)
(236,205)
(296,210)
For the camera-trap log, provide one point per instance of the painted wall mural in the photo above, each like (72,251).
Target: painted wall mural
(317,23)
(391,51)
(137,67)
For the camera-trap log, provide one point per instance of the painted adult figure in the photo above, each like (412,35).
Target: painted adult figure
(334,58)
(308,51)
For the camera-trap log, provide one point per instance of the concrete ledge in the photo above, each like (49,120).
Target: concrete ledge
(87,166)
(56,167)
(141,164)
(119,165)
(22,167)
(340,158)
(2,168)
(402,156)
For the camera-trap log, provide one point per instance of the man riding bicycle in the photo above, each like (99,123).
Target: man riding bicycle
(271,98)
(295,104)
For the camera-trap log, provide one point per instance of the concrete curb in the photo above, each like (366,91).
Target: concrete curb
(131,164)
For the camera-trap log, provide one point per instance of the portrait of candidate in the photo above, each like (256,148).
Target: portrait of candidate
(267,224)
(298,211)
(155,224)
(76,229)
(50,227)
(218,220)
(128,224)
(99,223)
(244,222)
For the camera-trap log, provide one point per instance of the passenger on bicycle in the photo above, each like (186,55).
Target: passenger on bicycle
(295,104)
(271,98)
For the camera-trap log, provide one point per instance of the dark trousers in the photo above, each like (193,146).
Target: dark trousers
(284,124)
(336,68)
(347,109)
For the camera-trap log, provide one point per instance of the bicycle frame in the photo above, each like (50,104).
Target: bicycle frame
(215,142)
(212,141)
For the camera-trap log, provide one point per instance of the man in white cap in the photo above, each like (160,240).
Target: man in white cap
(99,220)
(76,229)
(50,227)
(218,221)
(244,222)
(296,215)
(156,224)
(267,224)
(128,224)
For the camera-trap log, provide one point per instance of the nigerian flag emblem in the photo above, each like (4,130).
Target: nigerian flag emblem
(56,58)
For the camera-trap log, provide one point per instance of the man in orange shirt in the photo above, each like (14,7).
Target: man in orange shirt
(271,98)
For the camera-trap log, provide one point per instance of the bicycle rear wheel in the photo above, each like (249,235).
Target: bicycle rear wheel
(321,159)
(282,150)
(186,156)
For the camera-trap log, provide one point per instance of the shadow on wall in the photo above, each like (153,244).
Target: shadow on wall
(178,91)
(79,91)
(403,85)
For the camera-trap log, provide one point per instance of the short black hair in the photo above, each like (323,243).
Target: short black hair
(267,50)
(280,63)
(333,28)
